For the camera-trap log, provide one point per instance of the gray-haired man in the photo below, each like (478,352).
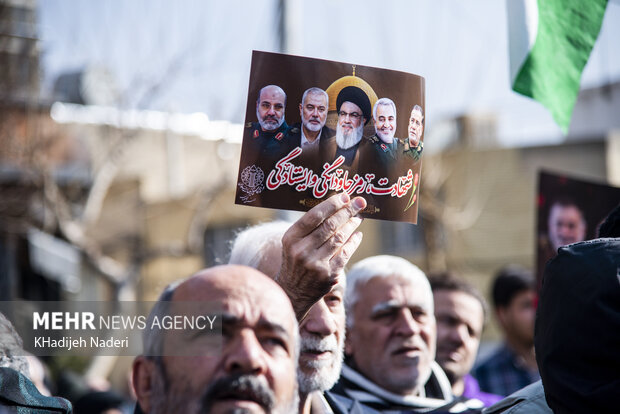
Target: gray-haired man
(390,345)
(321,330)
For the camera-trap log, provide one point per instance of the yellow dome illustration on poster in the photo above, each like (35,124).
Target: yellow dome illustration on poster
(350,80)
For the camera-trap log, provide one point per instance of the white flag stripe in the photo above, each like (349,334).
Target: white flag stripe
(522,31)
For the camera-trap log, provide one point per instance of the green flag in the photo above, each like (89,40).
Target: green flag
(550,43)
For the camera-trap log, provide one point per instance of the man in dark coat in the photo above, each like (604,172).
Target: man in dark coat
(268,137)
(264,143)
(311,134)
(388,156)
(577,330)
(578,327)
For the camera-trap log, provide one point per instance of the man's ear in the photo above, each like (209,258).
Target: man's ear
(501,315)
(144,371)
(348,345)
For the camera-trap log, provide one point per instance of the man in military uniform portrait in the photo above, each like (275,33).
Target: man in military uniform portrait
(268,135)
(264,143)
(385,146)
(416,129)
(312,135)
(386,151)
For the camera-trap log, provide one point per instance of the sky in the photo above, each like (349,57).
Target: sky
(194,56)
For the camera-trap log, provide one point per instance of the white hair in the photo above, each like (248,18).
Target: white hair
(385,102)
(382,266)
(346,141)
(252,244)
(315,91)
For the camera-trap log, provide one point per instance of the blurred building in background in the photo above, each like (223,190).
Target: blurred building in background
(101,202)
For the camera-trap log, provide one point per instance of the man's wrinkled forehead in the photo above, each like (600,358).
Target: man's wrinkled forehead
(271,94)
(355,107)
(395,304)
(385,110)
(399,291)
(237,287)
(316,96)
(259,321)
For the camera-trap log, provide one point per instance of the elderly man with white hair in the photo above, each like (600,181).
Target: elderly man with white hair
(321,330)
(390,345)
(311,134)
(385,150)
(388,156)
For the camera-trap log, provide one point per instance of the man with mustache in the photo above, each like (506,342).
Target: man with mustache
(311,134)
(389,156)
(461,313)
(254,370)
(390,345)
(415,131)
(353,108)
(512,365)
(268,136)
(321,330)
(385,145)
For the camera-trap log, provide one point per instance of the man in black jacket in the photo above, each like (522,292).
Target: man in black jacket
(577,331)
(578,325)
(312,135)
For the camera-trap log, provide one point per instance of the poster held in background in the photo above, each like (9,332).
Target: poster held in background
(360,130)
(569,210)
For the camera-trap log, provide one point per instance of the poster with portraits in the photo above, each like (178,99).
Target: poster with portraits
(570,210)
(315,127)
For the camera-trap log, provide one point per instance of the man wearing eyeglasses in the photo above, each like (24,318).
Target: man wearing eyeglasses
(353,108)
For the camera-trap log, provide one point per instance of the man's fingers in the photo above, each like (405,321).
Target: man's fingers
(317,215)
(330,226)
(340,259)
(338,238)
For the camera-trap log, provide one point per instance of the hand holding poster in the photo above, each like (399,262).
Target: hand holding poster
(315,127)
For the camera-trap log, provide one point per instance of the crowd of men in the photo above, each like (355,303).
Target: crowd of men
(272,138)
(299,334)
(302,336)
